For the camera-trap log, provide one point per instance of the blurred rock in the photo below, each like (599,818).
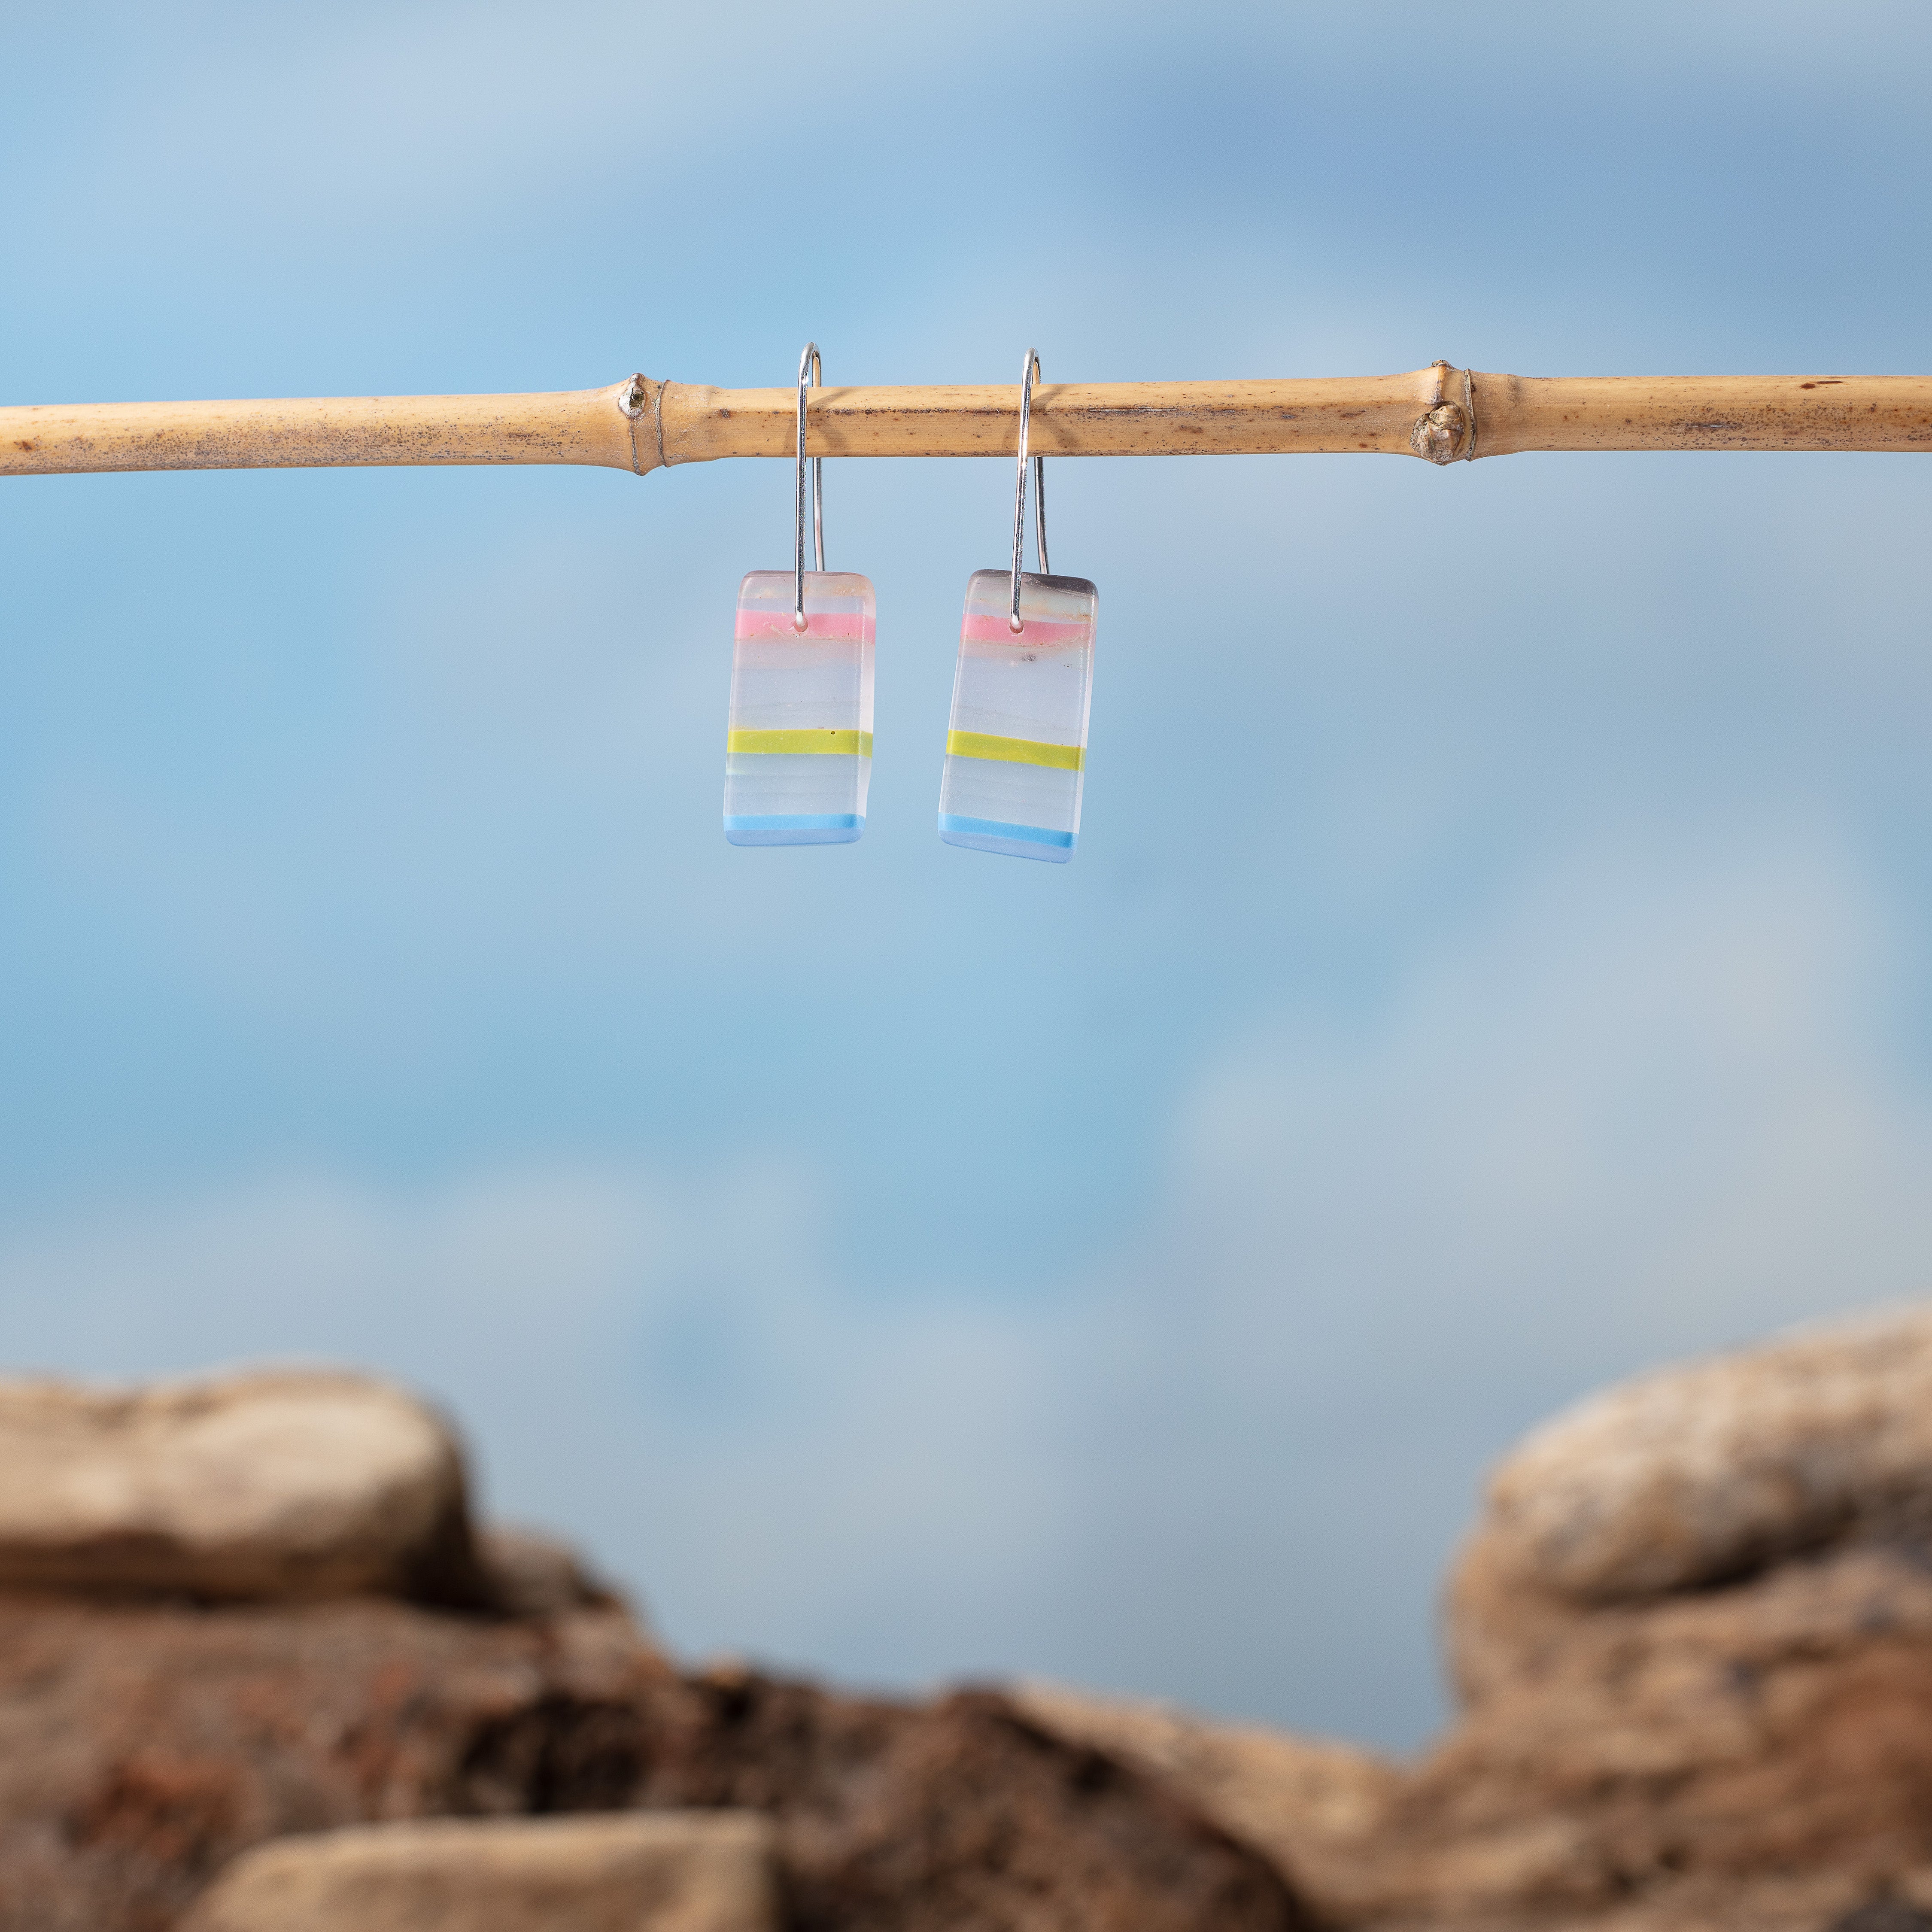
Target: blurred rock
(1694,1631)
(677,1871)
(963,1816)
(143,1747)
(277,1485)
(1694,1634)
(1704,1475)
(1782,1724)
(1317,1808)
(527,1574)
(1789,1902)
(1459,1848)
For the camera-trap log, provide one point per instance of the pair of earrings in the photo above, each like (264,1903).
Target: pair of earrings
(798,758)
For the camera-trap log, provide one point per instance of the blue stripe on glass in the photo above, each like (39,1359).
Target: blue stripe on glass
(793,821)
(994,828)
(794,828)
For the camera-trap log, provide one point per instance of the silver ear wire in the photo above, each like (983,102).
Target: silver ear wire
(1027,375)
(808,364)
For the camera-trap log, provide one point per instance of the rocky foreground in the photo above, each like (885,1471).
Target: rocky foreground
(258,1668)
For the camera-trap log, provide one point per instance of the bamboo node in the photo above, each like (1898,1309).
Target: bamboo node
(1443,434)
(633,398)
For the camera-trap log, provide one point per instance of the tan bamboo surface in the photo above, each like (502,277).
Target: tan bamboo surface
(1442,413)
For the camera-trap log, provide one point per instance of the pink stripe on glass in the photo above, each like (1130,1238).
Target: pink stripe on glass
(979,630)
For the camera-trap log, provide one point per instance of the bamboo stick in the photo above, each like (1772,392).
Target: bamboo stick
(1441,413)
(580,426)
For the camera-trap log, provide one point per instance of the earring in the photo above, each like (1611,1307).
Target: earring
(1016,746)
(798,750)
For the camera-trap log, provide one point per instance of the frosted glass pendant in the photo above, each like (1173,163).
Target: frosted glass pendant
(1016,745)
(798,751)
(798,743)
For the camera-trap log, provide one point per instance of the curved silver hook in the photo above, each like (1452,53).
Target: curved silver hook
(808,364)
(1027,375)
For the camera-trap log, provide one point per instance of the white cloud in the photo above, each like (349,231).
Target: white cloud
(1649,1100)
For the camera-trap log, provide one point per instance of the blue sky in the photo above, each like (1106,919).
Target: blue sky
(1496,958)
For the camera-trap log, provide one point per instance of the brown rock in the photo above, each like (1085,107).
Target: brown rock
(1316,1808)
(1783,1724)
(1658,1784)
(144,1747)
(1786,1902)
(1700,1474)
(1694,1632)
(527,1574)
(281,1485)
(1506,1636)
(667,1871)
(965,1815)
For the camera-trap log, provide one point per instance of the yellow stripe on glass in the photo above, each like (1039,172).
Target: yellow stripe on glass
(796,744)
(1016,750)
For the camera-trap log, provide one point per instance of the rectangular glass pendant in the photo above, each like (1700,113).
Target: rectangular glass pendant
(1016,750)
(798,752)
